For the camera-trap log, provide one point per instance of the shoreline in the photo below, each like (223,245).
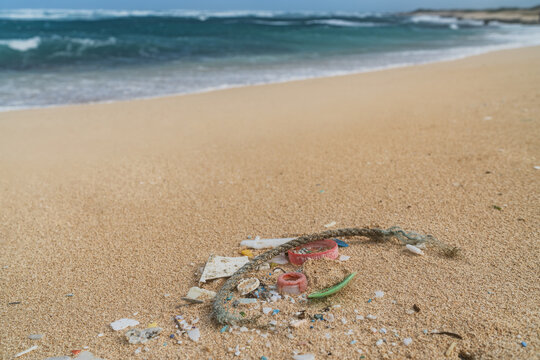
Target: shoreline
(482,51)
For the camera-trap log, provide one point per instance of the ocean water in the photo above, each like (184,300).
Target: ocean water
(54,57)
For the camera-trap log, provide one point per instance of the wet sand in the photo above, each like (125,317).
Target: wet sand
(120,205)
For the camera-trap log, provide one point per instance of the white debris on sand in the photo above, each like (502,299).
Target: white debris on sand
(379,294)
(407,341)
(123,323)
(222,266)
(264,243)
(194,334)
(333,223)
(304,357)
(344,257)
(25,351)
(196,293)
(414,249)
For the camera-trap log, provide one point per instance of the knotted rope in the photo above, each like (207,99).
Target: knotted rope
(223,316)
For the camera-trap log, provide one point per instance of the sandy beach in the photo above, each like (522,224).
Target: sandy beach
(108,211)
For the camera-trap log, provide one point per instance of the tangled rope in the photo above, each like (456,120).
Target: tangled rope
(223,316)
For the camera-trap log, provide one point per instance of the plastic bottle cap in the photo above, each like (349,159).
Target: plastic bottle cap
(292,283)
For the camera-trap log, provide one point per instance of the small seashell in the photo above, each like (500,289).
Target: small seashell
(248,285)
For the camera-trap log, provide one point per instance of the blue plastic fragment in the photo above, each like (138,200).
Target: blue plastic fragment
(229,297)
(353,342)
(171,336)
(223,329)
(318,316)
(275,311)
(264,358)
(524,344)
(369,300)
(341,243)
(311,326)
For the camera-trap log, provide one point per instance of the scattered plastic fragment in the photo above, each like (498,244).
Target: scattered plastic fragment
(171,336)
(333,223)
(344,258)
(304,357)
(35,336)
(353,342)
(379,294)
(414,249)
(247,252)
(123,323)
(298,323)
(194,334)
(221,266)
(332,290)
(25,351)
(407,341)
(152,324)
(245,301)
(379,342)
(341,243)
(264,358)
(450,349)
(76,352)
(264,243)
(281,259)
(524,344)
(136,336)
(69,295)
(537,167)
(326,248)
(275,311)
(451,334)
(248,285)
(369,300)
(14,303)
(266,310)
(371,317)
(383,331)
(293,283)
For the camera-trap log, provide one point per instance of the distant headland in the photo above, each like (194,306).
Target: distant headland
(505,14)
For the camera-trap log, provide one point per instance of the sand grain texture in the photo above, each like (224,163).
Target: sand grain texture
(114,202)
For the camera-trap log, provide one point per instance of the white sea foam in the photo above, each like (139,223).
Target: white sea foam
(22,44)
(443,20)
(341,23)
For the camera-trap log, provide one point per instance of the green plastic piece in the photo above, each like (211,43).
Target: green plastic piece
(332,290)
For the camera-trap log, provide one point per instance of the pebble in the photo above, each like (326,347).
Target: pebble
(35,336)
(194,334)
(407,341)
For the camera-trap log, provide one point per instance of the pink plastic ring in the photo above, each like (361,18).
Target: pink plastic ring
(292,283)
(313,251)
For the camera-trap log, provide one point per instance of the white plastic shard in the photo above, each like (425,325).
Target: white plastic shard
(265,243)
(25,351)
(123,323)
(221,266)
(304,357)
(281,259)
(196,293)
(414,249)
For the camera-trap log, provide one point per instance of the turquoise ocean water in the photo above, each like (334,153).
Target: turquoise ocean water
(53,57)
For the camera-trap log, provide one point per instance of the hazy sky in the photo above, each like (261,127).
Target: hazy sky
(286,5)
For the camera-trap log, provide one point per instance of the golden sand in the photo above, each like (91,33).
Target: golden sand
(120,205)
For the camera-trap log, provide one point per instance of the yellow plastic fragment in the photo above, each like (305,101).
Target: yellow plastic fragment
(151,325)
(247,252)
